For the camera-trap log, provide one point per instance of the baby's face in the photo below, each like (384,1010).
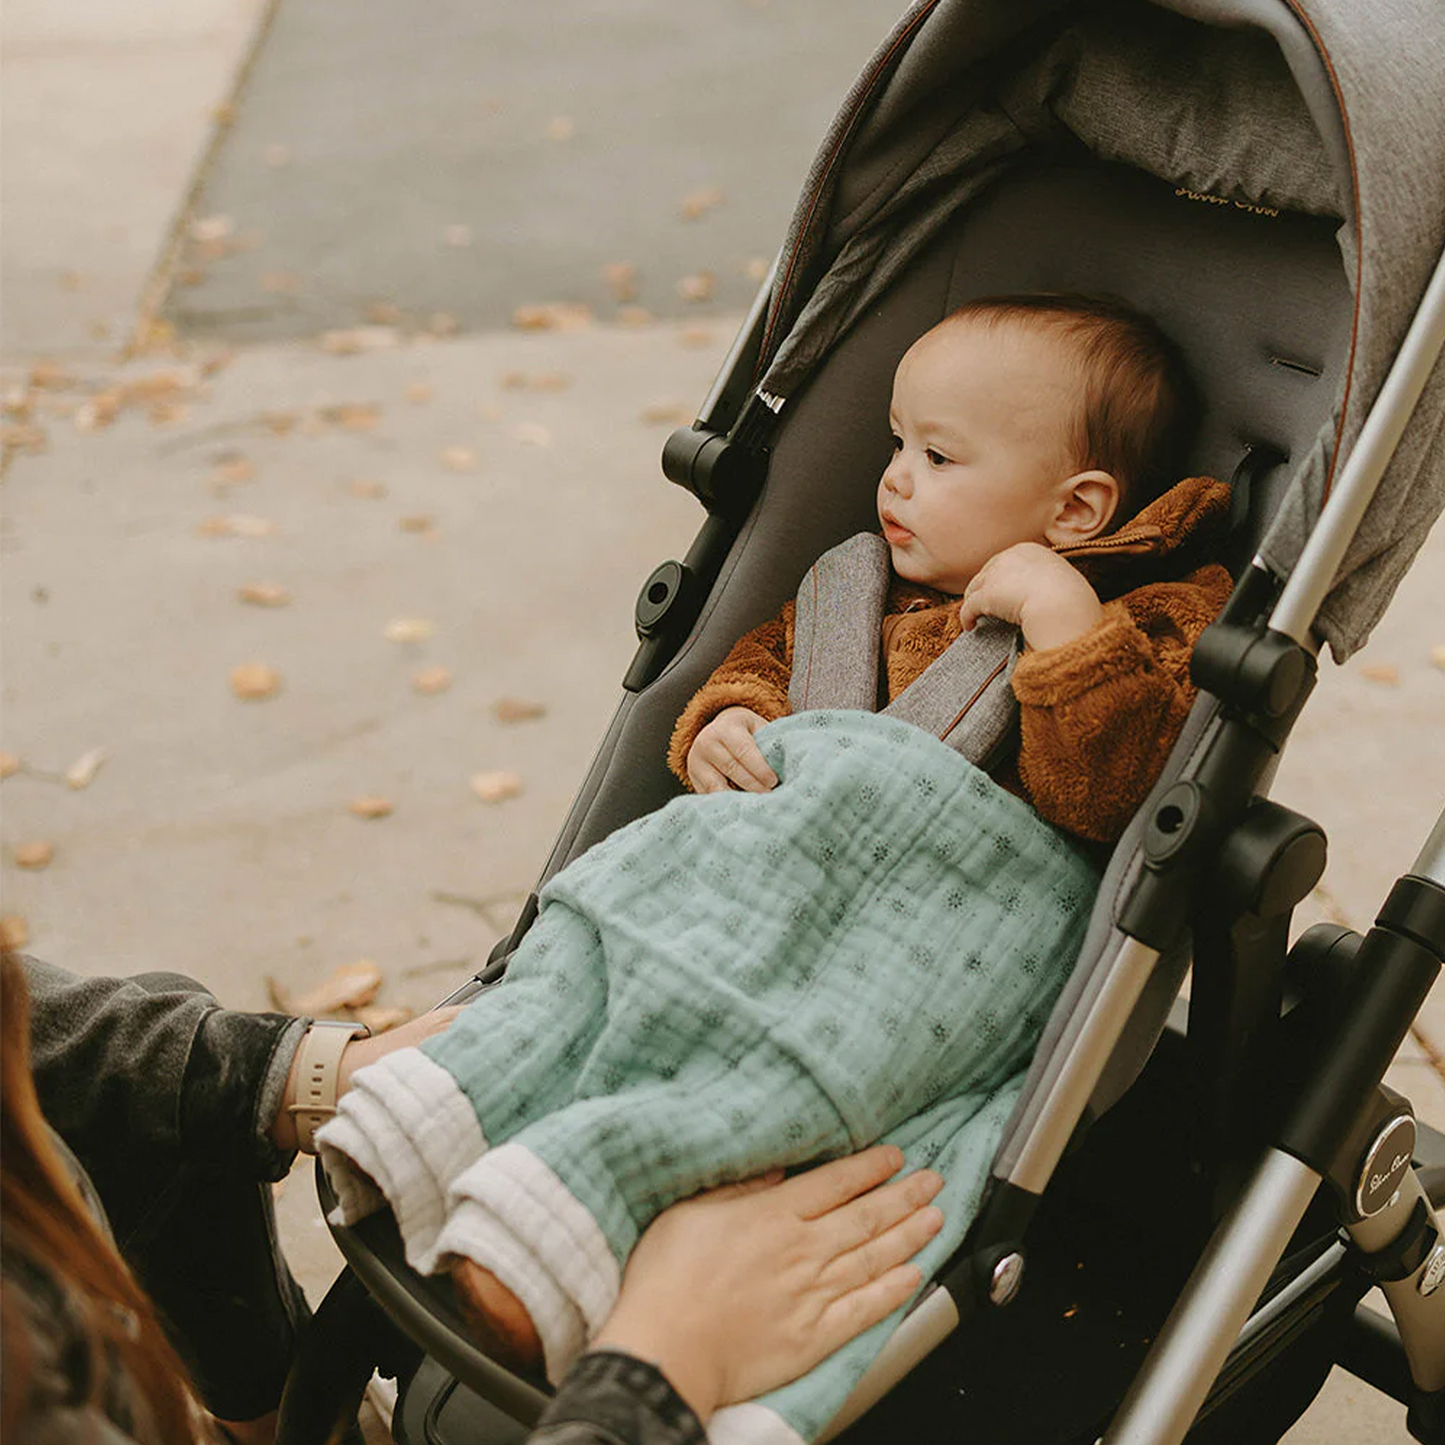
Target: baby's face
(981,420)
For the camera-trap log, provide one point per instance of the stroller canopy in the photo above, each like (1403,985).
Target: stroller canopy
(1328,108)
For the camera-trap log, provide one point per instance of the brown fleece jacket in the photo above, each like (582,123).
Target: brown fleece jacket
(1098,715)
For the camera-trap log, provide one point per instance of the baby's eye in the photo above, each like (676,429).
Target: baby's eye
(936,458)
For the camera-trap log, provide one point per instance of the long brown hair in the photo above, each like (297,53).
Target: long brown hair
(45,1222)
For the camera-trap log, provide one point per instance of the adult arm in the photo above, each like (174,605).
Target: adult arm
(1099,714)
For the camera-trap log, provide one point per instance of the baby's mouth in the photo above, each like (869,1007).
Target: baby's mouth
(894,532)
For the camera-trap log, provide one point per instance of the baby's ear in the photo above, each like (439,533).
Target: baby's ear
(1086,505)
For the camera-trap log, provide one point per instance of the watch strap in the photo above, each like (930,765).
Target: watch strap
(318,1066)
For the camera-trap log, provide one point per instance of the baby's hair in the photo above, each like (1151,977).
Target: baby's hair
(1140,408)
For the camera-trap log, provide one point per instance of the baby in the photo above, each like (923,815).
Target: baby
(1024,428)
(677,1016)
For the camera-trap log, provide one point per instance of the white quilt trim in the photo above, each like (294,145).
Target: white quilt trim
(404,1129)
(751,1424)
(514,1216)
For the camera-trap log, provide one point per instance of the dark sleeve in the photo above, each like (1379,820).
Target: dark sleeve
(610,1398)
(153,1069)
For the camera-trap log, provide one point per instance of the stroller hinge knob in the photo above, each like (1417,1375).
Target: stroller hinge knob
(1005,1279)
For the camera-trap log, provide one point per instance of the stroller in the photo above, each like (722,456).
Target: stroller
(1192,1196)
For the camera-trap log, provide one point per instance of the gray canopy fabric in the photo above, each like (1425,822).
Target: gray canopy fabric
(1330,107)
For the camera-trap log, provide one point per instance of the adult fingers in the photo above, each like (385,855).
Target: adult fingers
(828,1186)
(872,1214)
(862,1308)
(879,1253)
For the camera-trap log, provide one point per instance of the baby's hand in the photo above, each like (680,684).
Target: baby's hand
(724,755)
(1035,589)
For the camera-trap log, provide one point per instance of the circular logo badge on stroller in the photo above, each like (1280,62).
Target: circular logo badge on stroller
(1386,1162)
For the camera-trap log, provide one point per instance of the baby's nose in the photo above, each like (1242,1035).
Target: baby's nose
(895,475)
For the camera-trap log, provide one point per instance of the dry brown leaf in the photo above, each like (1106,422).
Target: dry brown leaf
(232,470)
(1437,654)
(620,278)
(379,1017)
(72,281)
(409,629)
(36,855)
(457,234)
(366,489)
(417,524)
(98,412)
(517,709)
(695,337)
(161,385)
(700,202)
(443,323)
(496,787)
(276,154)
(561,127)
(254,681)
(431,680)
(383,313)
(279,283)
(237,524)
(352,416)
(278,423)
(264,594)
(532,434)
(22,437)
(370,805)
(168,413)
(51,375)
(634,316)
(1382,673)
(418,392)
(757,268)
(553,316)
(459,459)
(675,413)
(9,765)
(698,286)
(348,986)
(14,931)
(358,339)
(81,773)
(212,228)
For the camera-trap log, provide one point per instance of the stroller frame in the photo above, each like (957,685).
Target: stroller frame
(1319,1182)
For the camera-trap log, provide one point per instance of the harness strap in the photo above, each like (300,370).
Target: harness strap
(963,697)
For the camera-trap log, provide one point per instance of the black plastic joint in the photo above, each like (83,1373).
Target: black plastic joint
(663,600)
(1416,908)
(723,474)
(1261,672)
(1404,1254)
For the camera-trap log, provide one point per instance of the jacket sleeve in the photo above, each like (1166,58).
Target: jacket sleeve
(153,1069)
(754,674)
(609,1398)
(1100,714)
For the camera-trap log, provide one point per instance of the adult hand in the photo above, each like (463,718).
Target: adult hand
(356,1055)
(724,755)
(744,1288)
(1037,590)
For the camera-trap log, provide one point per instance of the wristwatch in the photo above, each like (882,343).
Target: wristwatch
(318,1062)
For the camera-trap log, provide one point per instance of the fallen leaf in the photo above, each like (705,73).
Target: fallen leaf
(517,709)
(370,805)
(379,1017)
(700,202)
(695,336)
(553,316)
(490,411)
(253,681)
(431,680)
(634,316)
(699,286)
(443,323)
(14,931)
(534,380)
(25,437)
(34,855)
(168,413)
(417,392)
(496,787)
(1382,673)
(676,413)
(417,524)
(159,385)
(212,228)
(9,765)
(232,470)
(1437,655)
(409,629)
(276,154)
(81,773)
(459,459)
(279,283)
(72,281)
(358,339)
(352,415)
(51,375)
(365,488)
(757,268)
(561,127)
(532,434)
(264,594)
(620,278)
(98,412)
(349,985)
(457,234)
(237,524)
